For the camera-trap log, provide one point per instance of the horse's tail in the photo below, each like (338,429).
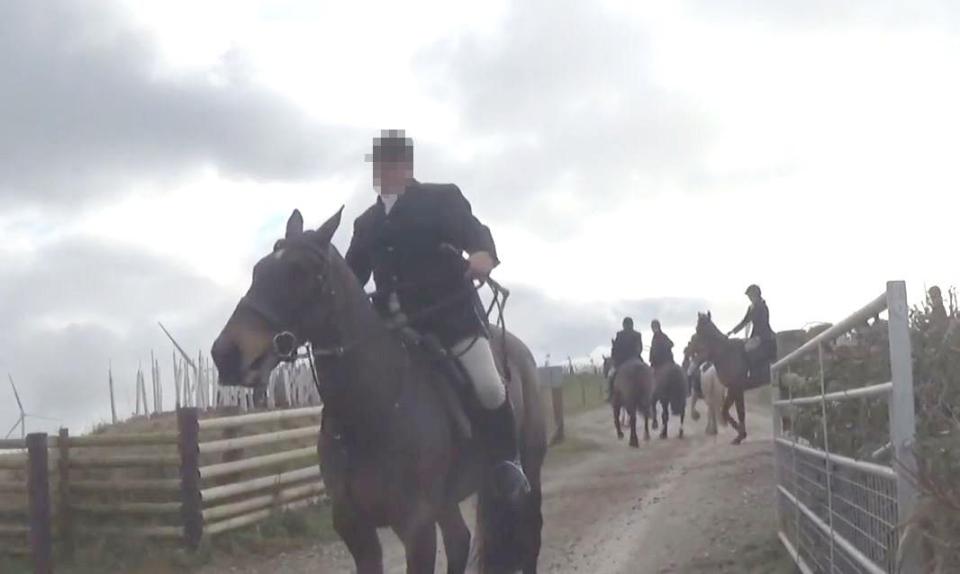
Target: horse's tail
(678,401)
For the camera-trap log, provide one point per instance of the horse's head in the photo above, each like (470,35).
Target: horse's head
(607,365)
(289,291)
(705,326)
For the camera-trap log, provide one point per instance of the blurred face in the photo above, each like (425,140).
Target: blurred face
(391,177)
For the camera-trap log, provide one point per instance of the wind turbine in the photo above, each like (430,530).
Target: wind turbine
(22,421)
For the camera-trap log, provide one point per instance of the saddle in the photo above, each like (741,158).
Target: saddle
(456,393)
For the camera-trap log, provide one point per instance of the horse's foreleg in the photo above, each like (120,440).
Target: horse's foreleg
(456,539)
(694,413)
(742,416)
(360,537)
(634,441)
(646,423)
(616,418)
(683,415)
(653,408)
(711,414)
(725,409)
(420,544)
(665,416)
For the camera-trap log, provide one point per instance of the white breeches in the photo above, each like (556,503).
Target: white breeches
(476,357)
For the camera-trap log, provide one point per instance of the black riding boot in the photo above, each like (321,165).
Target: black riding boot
(497,432)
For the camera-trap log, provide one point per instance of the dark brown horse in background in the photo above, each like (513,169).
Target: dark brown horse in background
(633,392)
(729,357)
(670,392)
(390,452)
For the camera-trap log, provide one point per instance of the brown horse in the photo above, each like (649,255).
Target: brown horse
(391,454)
(633,392)
(729,357)
(670,391)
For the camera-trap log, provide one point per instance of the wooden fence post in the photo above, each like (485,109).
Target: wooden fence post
(38,492)
(191,505)
(63,507)
(557,394)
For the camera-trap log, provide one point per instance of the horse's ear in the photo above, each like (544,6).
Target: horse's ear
(294,224)
(325,232)
(709,316)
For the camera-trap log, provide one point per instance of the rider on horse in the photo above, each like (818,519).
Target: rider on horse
(761,346)
(628,344)
(412,240)
(661,347)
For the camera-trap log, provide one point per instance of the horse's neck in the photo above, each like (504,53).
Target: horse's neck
(722,353)
(375,364)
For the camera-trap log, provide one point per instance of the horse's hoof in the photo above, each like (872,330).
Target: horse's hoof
(739,439)
(695,415)
(663,435)
(634,443)
(620,435)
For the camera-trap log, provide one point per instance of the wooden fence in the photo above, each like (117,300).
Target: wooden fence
(254,476)
(208,476)
(25,505)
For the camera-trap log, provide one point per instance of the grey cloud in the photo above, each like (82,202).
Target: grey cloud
(829,13)
(568,91)
(77,305)
(86,110)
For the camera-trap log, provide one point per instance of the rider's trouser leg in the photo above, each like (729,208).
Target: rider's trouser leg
(495,423)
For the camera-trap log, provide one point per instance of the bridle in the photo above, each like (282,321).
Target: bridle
(287,342)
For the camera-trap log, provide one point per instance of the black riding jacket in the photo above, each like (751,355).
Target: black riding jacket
(416,251)
(758,316)
(661,350)
(627,345)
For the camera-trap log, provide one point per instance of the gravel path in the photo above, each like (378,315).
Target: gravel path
(691,505)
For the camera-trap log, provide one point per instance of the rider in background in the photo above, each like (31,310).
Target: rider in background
(661,347)
(761,346)
(628,344)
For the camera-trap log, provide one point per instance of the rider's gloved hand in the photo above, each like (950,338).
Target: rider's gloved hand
(479,265)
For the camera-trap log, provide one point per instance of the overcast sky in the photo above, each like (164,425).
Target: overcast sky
(631,158)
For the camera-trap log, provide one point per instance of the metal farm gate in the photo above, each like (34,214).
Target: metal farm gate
(837,514)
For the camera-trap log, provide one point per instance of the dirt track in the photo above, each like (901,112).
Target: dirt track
(691,505)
